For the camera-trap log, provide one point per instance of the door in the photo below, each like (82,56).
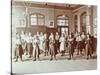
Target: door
(63,29)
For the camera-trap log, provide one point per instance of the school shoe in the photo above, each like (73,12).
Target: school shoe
(87,58)
(55,58)
(34,60)
(38,59)
(16,61)
(69,58)
(51,59)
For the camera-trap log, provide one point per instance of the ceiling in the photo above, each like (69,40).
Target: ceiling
(46,5)
(55,4)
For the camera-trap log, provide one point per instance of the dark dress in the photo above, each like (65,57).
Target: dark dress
(70,47)
(88,49)
(19,51)
(30,48)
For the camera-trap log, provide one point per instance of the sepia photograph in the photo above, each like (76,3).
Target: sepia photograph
(49,37)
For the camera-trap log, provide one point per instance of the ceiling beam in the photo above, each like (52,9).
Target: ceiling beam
(46,5)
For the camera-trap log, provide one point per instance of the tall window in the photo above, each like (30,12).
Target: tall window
(37,19)
(83,21)
(62,20)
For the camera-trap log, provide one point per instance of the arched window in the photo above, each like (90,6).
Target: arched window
(63,23)
(37,19)
(62,20)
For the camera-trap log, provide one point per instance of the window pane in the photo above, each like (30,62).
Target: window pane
(40,21)
(40,16)
(62,21)
(37,19)
(33,21)
(66,24)
(66,21)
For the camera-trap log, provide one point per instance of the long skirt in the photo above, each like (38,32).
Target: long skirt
(70,49)
(57,44)
(24,46)
(36,52)
(52,50)
(30,48)
(62,46)
(75,43)
(94,45)
(46,46)
(88,50)
(83,44)
(41,46)
(19,50)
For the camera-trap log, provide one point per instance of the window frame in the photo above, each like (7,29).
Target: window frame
(66,19)
(37,19)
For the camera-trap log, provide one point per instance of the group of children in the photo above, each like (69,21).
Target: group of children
(52,44)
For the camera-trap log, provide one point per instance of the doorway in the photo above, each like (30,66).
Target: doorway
(63,29)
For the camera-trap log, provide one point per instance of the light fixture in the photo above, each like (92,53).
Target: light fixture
(27,5)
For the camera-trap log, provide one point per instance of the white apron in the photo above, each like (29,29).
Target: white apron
(41,44)
(62,44)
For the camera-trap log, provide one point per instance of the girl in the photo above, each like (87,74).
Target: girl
(18,49)
(62,41)
(70,46)
(35,48)
(88,49)
(52,46)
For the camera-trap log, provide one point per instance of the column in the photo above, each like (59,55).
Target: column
(94,12)
(78,23)
(26,16)
(88,20)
